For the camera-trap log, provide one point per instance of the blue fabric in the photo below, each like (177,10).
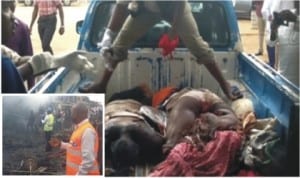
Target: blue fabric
(271,54)
(12,82)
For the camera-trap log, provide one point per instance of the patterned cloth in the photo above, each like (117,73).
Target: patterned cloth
(218,157)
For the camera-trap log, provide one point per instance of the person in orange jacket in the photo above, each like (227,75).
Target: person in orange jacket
(82,149)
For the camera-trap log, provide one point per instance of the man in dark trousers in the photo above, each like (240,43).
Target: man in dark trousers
(47,20)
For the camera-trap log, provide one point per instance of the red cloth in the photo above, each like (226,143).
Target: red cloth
(247,173)
(168,45)
(216,159)
(159,96)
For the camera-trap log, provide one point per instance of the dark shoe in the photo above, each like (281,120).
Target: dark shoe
(92,88)
(258,53)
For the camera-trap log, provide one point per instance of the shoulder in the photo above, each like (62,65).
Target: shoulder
(21,24)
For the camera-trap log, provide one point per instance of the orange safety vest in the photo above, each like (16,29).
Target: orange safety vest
(74,155)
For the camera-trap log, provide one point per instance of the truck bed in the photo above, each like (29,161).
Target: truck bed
(272,95)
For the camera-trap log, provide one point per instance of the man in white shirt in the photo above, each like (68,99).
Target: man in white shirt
(82,149)
(268,9)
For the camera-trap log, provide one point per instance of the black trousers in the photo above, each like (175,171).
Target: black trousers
(48,135)
(46,28)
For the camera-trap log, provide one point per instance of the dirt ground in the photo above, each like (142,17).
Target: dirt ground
(76,12)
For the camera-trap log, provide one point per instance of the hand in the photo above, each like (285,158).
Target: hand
(55,142)
(232,95)
(211,122)
(270,18)
(75,60)
(61,30)
(107,54)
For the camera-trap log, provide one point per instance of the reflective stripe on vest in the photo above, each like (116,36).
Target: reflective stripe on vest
(74,166)
(74,155)
(49,123)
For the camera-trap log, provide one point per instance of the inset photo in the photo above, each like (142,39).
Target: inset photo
(52,134)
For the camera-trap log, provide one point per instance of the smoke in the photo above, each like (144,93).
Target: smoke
(16,109)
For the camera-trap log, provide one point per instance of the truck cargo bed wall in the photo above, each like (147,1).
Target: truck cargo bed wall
(277,97)
(149,67)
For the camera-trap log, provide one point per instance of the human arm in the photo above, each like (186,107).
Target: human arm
(43,62)
(87,150)
(118,17)
(215,71)
(34,16)
(221,116)
(57,143)
(61,16)
(14,56)
(45,119)
(26,45)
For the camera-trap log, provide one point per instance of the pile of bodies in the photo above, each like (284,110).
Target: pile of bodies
(186,132)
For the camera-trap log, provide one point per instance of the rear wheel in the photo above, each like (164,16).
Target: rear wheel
(28,2)
(67,2)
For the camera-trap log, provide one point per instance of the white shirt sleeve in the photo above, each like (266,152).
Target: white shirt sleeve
(45,119)
(266,9)
(87,151)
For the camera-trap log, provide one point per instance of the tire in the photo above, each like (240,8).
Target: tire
(67,2)
(28,2)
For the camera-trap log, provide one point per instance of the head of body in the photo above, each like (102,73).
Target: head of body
(121,162)
(79,112)
(7,20)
